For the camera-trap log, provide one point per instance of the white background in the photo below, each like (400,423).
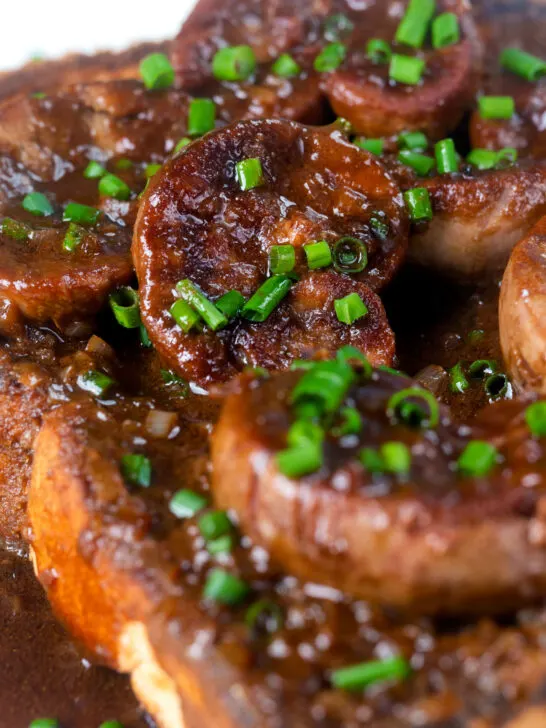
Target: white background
(54,27)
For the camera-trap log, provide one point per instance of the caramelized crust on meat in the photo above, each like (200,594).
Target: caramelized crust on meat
(431,541)
(196,223)
(522,312)
(478,218)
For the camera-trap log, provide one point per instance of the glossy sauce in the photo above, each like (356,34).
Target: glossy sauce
(322,629)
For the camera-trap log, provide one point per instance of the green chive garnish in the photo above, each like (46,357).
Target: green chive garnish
(535,417)
(446,156)
(201,116)
(249,174)
(359,677)
(211,315)
(350,308)
(156,71)
(414,25)
(125,307)
(95,382)
(186,503)
(112,186)
(282,259)
(445,30)
(225,588)
(136,470)
(318,255)
(418,204)
(330,58)
(37,204)
(266,299)
(285,66)
(81,214)
(94,170)
(496,107)
(523,64)
(185,316)
(234,63)
(477,459)
(406,69)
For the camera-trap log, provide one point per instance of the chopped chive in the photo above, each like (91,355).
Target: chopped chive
(355,358)
(214,524)
(374,146)
(396,457)
(496,385)
(266,299)
(325,384)
(234,63)
(221,545)
(282,259)
(304,459)
(535,417)
(379,226)
(95,382)
(390,370)
(482,158)
(477,459)
(445,30)
(479,368)
(94,170)
(125,306)
(359,677)
(182,144)
(173,380)
(111,724)
(112,186)
(330,58)
(123,163)
(429,417)
(156,71)
(39,95)
(201,116)
(44,723)
(475,335)
(152,169)
(458,382)
(249,173)
(230,303)
(350,255)
(318,255)
(406,69)
(446,156)
(337,27)
(211,315)
(420,163)
(136,470)
(37,204)
(14,229)
(523,64)
(371,460)
(351,422)
(186,503)
(378,50)
(496,107)
(285,66)
(413,27)
(350,308)
(507,156)
(225,588)
(264,614)
(184,315)
(418,204)
(81,214)
(144,337)
(304,431)
(416,141)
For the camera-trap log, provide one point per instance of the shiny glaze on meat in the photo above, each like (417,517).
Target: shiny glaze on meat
(196,223)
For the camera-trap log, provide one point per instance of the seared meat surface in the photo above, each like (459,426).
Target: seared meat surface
(426,539)
(522,309)
(478,218)
(196,223)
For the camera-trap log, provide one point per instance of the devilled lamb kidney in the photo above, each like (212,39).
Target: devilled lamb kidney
(263,243)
